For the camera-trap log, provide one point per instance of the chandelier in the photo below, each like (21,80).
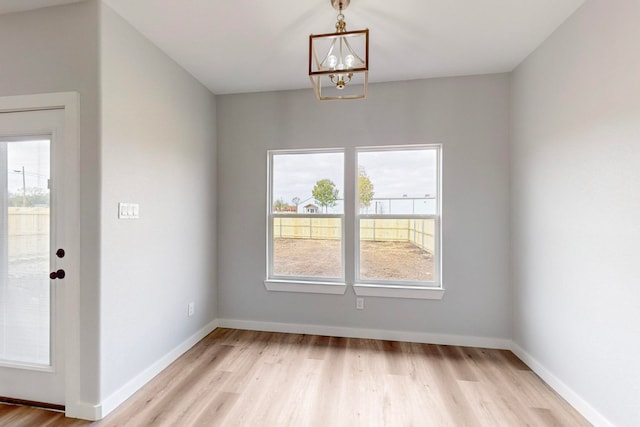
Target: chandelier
(339,62)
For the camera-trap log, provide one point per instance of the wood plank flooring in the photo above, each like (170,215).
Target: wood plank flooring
(248,378)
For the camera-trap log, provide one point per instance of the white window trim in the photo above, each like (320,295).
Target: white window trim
(311,287)
(401,289)
(316,285)
(385,289)
(398,291)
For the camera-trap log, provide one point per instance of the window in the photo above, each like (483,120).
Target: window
(397,218)
(306,221)
(393,214)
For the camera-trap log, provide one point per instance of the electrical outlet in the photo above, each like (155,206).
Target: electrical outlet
(360,303)
(192,308)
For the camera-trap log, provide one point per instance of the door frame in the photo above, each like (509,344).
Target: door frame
(70,103)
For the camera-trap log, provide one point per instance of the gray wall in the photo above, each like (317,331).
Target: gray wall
(157,129)
(468,115)
(56,50)
(575,174)
(575,206)
(158,150)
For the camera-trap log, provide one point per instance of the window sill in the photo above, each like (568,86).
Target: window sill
(391,291)
(306,287)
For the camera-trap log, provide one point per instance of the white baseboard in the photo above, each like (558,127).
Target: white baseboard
(96,412)
(83,411)
(126,391)
(338,331)
(574,399)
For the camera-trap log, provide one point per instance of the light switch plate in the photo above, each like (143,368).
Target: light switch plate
(128,210)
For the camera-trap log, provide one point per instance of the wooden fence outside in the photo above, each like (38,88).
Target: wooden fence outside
(28,232)
(419,232)
(308,228)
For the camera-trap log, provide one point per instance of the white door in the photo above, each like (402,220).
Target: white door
(32,263)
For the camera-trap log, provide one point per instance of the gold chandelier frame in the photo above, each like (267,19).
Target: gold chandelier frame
(339,70)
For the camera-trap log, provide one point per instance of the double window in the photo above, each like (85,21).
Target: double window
(392,218)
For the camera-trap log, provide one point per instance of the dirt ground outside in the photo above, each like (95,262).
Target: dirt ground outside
(379,260)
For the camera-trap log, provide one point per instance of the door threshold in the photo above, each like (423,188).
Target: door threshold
(42,405)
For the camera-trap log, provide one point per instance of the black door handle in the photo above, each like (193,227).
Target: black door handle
(57,274)
(60,253)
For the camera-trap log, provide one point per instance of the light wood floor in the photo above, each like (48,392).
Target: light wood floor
(245,378)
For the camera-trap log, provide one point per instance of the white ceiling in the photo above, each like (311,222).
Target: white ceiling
(8,6)
(236,46)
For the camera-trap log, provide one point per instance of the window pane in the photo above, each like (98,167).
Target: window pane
(397,249)
(395,184)
(305,185)
(308,183)
(25,287)
(398,181)
(307,246)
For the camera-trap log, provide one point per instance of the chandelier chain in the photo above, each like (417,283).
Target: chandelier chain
(341,26)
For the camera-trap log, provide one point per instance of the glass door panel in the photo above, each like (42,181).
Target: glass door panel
(25,288)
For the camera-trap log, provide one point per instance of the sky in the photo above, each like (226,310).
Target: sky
(399,173)
(34,156)
(394,174)
(295,175)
